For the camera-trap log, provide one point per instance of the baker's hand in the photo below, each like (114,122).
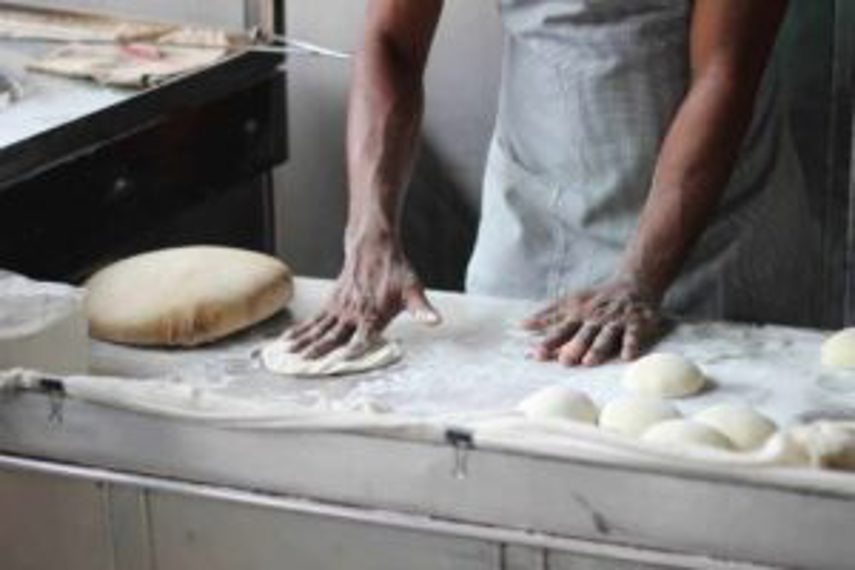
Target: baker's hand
(596,325)
(375,285)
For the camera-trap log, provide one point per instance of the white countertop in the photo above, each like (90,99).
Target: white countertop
(476,362)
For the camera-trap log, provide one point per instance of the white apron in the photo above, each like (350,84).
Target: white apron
(589,90)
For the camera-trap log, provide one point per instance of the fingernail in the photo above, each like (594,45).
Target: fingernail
(427,317)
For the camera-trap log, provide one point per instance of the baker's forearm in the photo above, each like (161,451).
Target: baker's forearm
(386,103)
(730,45)
(384,120)
(695,164)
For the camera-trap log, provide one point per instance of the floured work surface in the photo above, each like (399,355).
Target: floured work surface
(475,363)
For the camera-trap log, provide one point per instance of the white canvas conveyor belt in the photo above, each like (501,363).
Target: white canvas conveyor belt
(408,462)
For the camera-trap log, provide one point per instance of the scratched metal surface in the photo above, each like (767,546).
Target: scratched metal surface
(476,362)
(47,102)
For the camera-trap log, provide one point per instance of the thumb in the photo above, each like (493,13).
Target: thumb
(419,307)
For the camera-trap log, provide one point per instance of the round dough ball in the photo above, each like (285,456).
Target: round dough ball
(559,402)
(185,296)
(663,375)
(744,426)
(686,433)
(632,416)
(838,350)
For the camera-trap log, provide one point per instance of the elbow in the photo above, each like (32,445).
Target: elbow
(728,82)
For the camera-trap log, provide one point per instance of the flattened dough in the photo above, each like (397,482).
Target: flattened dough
(185,296)
(686,433)
(747,428)
(632,416)
(559,402)
(278,359)
(664,375)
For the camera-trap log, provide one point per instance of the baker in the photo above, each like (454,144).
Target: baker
(640,163)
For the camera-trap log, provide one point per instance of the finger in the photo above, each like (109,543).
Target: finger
(573,352)
(419,307)
(632,342)
(300,328)
(313,334)
(563,334)
(541,319)
(366,335)
(334,338)
(606,345)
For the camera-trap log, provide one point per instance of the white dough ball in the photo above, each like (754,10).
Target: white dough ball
(663,375)
(686,433)
(559,402)
(632,416)
(838,350)
(747,428)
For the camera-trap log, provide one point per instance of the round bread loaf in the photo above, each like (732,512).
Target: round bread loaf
(185,296)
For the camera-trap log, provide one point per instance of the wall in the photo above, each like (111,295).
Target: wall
(461,95)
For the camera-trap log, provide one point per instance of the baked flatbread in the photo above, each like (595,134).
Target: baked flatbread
(185,296)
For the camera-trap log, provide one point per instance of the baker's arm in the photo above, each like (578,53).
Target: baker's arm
(385,111)
(730,45)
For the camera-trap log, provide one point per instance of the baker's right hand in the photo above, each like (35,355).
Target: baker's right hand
(375,285)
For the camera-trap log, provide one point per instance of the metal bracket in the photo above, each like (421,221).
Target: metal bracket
(462,442)
(55,391)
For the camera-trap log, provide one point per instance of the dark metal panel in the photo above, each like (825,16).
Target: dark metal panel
(150,106)
(59,220)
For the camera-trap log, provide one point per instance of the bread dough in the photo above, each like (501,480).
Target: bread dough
(663,375)
(633,415)
(744,426)
(838,350)
(828,444)
(113,65)
(559,402)
(42,326)
(278,358)
(185,296)
(686,433)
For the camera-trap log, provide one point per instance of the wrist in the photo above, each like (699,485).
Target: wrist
(373,233)
(641,283)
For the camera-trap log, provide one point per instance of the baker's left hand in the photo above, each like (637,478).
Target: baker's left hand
(590,327)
